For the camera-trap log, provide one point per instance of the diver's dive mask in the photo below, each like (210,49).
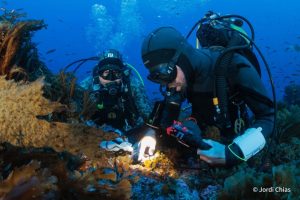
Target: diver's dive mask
(111,74)
(162,72)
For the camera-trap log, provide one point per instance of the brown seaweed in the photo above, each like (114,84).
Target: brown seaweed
(43,173)
(15,39)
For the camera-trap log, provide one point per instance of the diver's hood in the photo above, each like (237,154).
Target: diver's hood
(161,45)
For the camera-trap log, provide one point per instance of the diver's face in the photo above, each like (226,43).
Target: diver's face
(180,82)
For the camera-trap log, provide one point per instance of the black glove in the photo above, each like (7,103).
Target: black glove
(188,133)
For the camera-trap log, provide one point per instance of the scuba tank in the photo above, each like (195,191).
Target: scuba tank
(227,31)
(214,32)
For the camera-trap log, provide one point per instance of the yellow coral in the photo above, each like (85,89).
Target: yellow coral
(161,165)
(20,104)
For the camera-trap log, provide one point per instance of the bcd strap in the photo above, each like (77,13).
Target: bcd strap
(131,106)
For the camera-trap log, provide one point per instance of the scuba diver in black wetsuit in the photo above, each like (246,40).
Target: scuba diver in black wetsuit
(120,98)
(220,80)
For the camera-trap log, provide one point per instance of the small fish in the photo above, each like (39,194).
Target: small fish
(295,47)
(60,20)
(50,51)
(70,54)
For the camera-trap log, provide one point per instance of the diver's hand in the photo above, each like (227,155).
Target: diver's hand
(215,155)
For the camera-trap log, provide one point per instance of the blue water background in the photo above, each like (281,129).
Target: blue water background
(76,31)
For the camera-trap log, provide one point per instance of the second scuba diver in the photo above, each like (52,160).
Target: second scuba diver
(119,97)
